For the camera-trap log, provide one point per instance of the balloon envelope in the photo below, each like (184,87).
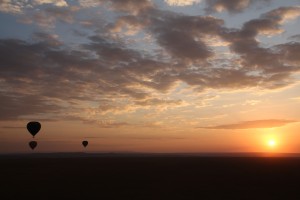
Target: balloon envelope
(33,127)
(85,143)
(32,144)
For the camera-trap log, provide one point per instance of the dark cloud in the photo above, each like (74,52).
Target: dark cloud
(15,106)
(295,37)
(268,123)
(181,36)
(290,52)
(35,66)
(176,41)
(44,76)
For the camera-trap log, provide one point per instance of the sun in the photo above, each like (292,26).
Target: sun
(271,143)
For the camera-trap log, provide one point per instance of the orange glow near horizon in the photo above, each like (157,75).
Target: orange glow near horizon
(67,137)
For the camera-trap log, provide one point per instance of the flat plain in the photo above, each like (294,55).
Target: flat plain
(138,176)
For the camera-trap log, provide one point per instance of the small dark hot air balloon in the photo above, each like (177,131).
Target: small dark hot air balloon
(33,127)
(85,143)
(32,144)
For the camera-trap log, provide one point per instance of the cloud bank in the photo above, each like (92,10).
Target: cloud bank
(130,60)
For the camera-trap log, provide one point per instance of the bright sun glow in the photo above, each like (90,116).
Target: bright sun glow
(272,143)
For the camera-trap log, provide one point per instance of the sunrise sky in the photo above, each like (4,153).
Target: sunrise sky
(150,75)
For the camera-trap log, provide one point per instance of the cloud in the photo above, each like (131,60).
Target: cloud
(290,52)
(89,3)
(186,31)
(53,78)
(134,7)
(12,6)
(15,106)
(50,39)
(273,68)
(129,25)
(44,13)
(58,3)
(295,37)
(268,123)
(283,14)
(182,2)
(47,18)
(19,7)
(103,74)
(295,99)
(232,6)
(156,101)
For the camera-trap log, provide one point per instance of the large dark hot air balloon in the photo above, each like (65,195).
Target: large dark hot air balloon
(33,127)
(85,143)
(32,144)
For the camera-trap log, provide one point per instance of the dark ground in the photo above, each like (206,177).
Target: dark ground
(148,177)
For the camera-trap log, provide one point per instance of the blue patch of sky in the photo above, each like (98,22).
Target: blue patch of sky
(140,42)
(236,20)
(232,20)
(290,28)
(72,34)
(11,28)
(293,28)
(75,34)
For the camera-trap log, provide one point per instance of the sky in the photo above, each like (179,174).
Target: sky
(150,75)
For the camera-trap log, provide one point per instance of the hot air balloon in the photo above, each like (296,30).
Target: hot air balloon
(85,143)
(32,144)
(33,127)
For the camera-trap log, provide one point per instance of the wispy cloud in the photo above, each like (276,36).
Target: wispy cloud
(268,123)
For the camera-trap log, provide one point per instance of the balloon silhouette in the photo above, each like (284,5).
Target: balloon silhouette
(85,143)
(32,144)
(33,127)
